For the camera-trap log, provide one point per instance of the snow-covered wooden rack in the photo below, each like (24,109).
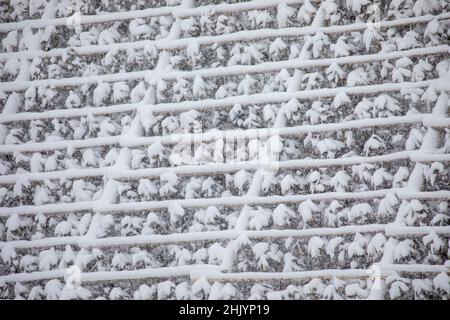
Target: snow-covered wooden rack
(94,106)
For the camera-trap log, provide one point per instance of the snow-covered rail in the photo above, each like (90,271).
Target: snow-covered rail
(164,273)
(86,242)
(154,240)
(212,272)
(225,71)
(245,100)
(323,274)
(169,44)
(85,19)
(233,201)
(175,11)
(220,168)
(274,97)
(227,134)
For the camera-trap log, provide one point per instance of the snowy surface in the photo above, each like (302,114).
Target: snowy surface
(204,149)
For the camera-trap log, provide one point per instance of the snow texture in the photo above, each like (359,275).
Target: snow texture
(196,149)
